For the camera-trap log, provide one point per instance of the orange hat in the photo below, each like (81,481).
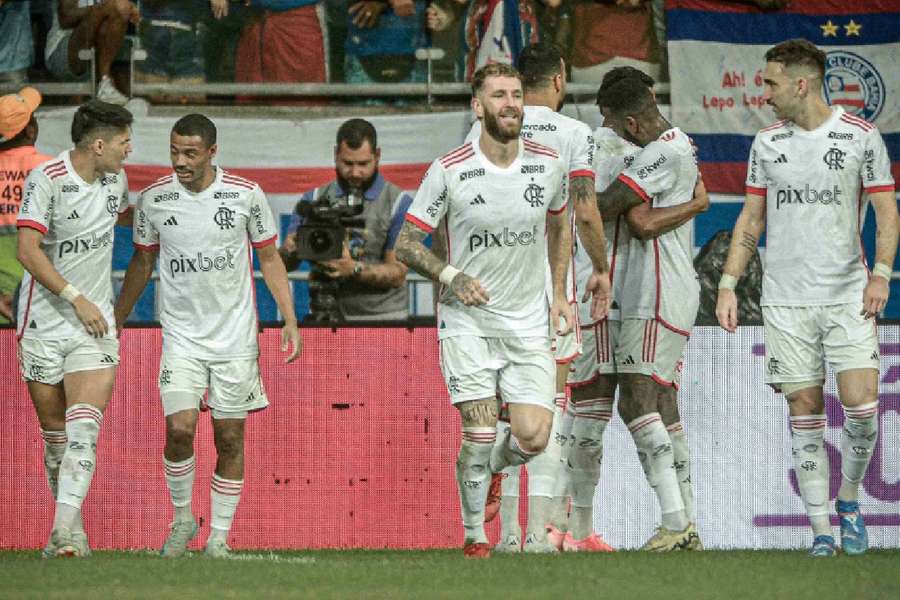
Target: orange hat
(16,111)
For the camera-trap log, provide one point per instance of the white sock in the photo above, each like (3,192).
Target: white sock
(812,469)
(54,448)
(473,477)
(591,418)
(544,467)
(225,494)
(655,452)
(180,480)
(562,487)
(538,510)
(509,504)
(79,460)
(857,443)
(507,453)
(682,454)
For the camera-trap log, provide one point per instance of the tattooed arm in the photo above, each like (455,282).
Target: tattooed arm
(413,253)
(615,200)
(747,231)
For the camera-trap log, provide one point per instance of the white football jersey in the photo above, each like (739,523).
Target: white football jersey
(496,224)
(660,281)
(574,142)
(207,296)
(611,155)
(78,221)
(814,209)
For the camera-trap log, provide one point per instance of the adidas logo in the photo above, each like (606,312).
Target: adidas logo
(170,221)
(32,325)
(477,200)
(874,356)
(781,159)
(628,360)
(74,215)
(108,359)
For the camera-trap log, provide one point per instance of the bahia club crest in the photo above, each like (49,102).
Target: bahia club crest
(853,83)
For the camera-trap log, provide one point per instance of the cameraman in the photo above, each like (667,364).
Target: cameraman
(371,282)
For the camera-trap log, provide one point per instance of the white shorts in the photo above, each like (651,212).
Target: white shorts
(800,339)
(583,370)
(647,347)
(566,348)
(235,387)
(520,369)
(48,361)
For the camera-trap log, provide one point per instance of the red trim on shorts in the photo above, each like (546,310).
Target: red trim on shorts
(27,310)
(419,223)
(634,186)
(580,384)
(662,381)
(31,225)
(672,328)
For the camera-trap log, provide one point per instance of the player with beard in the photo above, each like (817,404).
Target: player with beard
(544,81)
(659,293)
(502,198)
(204,222)
(371,281)
(819,300)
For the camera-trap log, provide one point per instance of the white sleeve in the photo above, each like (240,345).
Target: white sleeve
(876,168)
(430,204)
(560,198)
(756,177)
(653,171)
(145,235)
(582,159)
(36,210)
(124,200)
(261,225)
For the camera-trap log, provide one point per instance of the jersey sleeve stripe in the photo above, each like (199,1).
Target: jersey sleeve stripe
(540,148)
(147,247)
(157,183)
(581,173)
(854,120)
(756,191)
(455,152)
(419,223)
(31,225)
(879,188)
(634,186)
(458,159)
(559,210)
(264,243)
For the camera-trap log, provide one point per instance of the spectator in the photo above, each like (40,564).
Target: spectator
(18,133)
(223,30)
(81,24)
(283,42)
(169,35)
(371,282)
(382,39)
(16,45)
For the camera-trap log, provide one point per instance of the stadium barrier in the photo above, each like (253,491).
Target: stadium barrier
(358,445)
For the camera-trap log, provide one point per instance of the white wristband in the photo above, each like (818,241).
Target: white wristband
(447,274)
(882,270)
(69,293)
(728,282)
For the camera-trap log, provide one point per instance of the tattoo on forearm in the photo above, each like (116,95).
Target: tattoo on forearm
(617,199)
(411,252)
(748,241)
(581,190)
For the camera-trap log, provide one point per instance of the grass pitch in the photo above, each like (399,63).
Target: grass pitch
(445,574)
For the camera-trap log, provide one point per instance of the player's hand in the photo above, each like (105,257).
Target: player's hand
(219,8)
(875,297)
(90,316)
(365,14)
(562,309)
(469,290)
(701,198)
(726,310)
(339,268)
(597,288)
(291,341)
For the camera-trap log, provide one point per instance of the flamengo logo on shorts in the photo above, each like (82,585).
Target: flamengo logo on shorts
(807,195)
(184,264)
(489,239)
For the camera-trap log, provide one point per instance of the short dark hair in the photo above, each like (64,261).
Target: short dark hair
(538,64)
(628,96)
(798,52)
(620,73)
(492,70)
(354,132)
(198,125)
(99,118)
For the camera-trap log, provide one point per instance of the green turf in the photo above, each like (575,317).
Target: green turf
(445,574)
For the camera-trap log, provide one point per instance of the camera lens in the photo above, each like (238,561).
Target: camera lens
(320,240)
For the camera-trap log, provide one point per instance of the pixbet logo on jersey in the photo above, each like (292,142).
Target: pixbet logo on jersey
(184,264)
(807,195)
(85,244)
(507,238)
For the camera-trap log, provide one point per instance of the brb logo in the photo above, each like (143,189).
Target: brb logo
(881,481)
(505,238)
(185,264)
(807,195)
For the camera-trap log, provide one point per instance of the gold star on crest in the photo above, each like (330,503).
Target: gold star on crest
(829,29)
(853,28)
